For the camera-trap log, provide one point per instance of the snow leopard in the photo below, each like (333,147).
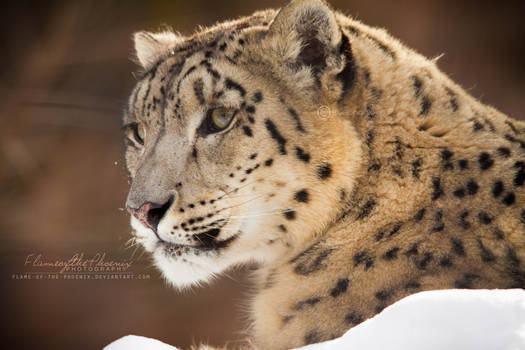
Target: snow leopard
(346,166)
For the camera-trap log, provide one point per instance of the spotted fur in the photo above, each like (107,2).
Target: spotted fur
(354,171)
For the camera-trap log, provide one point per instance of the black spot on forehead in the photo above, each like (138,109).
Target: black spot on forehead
(257,97)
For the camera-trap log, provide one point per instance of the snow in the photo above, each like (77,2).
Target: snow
(135,342)
(446,319)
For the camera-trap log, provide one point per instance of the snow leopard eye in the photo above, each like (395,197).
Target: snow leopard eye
(136,132)
(217,119)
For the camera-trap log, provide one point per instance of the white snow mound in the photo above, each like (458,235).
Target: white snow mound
(136,342)
(435,320)
(446,319)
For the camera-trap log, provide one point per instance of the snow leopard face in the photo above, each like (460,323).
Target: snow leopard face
(229,158)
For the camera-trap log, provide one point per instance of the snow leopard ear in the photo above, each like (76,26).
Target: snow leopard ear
(309,31)
(150,47)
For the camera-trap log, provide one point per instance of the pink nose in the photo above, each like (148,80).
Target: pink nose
(150,214)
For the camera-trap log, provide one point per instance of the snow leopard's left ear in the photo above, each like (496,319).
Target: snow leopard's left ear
(307,31)
(150,47)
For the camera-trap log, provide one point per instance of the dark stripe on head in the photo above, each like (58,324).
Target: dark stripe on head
(198,87)
(188,72)
(298,123)
(232,85)
(213,73)
(145,98)
(276,135)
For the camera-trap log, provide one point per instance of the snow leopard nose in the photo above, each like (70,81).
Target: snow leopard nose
(150,214)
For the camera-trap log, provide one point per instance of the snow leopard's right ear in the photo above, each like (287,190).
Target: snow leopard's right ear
(150,47)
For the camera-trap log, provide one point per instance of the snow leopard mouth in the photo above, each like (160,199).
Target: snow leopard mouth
(207,242)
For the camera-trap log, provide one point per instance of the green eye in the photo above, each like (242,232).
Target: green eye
(216,120)
(222,117)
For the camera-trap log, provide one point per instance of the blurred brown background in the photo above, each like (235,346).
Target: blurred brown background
(64,78)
